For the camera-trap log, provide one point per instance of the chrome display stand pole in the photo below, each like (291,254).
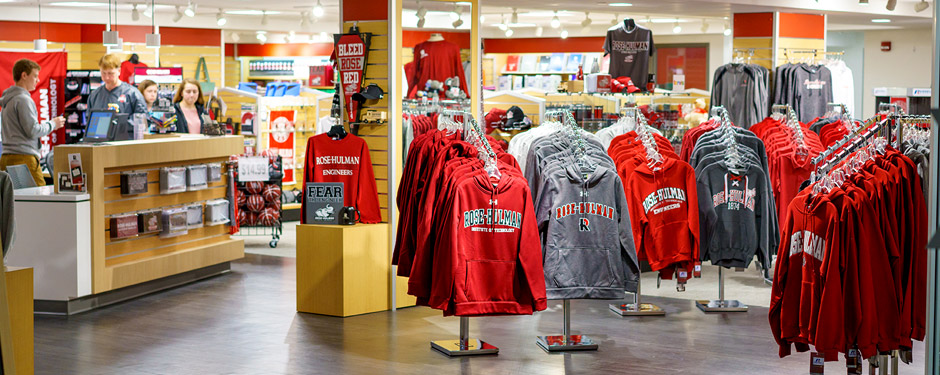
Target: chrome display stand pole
(637,308)
(465,346)
(566,341)
(721,304)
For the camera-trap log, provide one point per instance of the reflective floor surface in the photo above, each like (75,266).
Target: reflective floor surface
(245,322)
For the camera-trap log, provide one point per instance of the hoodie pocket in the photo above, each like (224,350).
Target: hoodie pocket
(580,267)
(490,280)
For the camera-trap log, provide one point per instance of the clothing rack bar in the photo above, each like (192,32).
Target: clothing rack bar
(721,304)
(566,342)
(464,345)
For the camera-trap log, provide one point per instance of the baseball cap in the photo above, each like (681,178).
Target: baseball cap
(515,118)
(370,92)
(627,83)
(494,119)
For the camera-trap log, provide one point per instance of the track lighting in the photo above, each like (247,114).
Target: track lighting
(235,37)
(324,36)
(457,23)
(921,6)
(135,14)
(503,26)
(515,16)
(179,14)
(190,10)
(422,11)
(264,18)
(318,10)
(148,11)
(538,31)
(616,19)
(704,26)
(509,32)
(261,36)
(564,34)
(421,22)
(556,22)
(290,37)
(891,4)
(482,18)
(862,2)
(587,19)
(676,28)
(220,18)
(304,20)
(456,14)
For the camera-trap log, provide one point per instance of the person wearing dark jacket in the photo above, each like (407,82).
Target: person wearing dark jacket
(190,106)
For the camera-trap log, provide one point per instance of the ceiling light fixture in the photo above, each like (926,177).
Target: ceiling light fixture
(290,37)
(863,2)
(921,6)
(39,45)
(135,14)
(421,22)
(457,23)
(318,10)
(482,18)
(190,10)
(538,31)
(261,36)
(649,20)
(304,20)
(264,18)
(148,11)
(422,11)
(891,4)
(515,16)
(153,38)
(704,26)
(564,34)
(881,20)
(556,22)
(235,37)
(456,14)
(503,26)
(620,4)
(509,33)
(179,14)
(109,38)
(727,31)
(676,28)
(220,18)
(587,19)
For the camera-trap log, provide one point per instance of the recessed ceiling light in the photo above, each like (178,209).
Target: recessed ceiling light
(880,20)
(620,4)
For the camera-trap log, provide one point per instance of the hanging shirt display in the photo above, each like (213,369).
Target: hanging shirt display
(806,88)
(743,89)
(347,161)
(630,53)
(435,61)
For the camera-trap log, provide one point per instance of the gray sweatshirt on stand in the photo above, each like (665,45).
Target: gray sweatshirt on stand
(21,128)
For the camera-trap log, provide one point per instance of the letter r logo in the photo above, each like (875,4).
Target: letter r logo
(585,225)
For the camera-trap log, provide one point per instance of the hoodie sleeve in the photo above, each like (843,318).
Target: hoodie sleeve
(368,200)
(707,215)
(530,255)
(775,312)
(692,193)
(631,271)
(766,227)
(29,120)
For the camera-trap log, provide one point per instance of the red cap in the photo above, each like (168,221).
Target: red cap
(493,119)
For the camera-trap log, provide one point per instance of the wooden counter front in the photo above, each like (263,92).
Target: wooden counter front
(120,263)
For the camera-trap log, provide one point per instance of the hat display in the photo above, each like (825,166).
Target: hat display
(370,92)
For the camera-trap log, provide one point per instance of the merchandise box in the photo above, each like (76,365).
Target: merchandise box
(133,183)
(505,83)
(597,82)
(512,63)
(517,82)
(149,222)
(217,212)
(172,180)
(197,177)
(533,82)
(574,86)
(544,63)
(123,226)
(194,217)
(174,222)
(528,63)
(215,172)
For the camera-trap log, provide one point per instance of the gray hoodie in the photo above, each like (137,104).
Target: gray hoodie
(21,128)
(587,240)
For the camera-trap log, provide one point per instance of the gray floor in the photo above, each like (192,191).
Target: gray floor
(245,322)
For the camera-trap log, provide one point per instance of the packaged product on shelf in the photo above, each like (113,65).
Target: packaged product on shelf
(133,183)
(197,177)
(194,216)
(123,226)
(172,180)
(215,172)
(217,212)
(149,222)
(174,222)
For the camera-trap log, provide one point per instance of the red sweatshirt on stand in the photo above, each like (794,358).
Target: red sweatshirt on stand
(436,61)
(345,160)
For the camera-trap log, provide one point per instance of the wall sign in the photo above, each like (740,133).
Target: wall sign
(322,202)
(351,58)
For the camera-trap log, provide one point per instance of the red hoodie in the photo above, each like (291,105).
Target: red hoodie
(346,160)
(664,214)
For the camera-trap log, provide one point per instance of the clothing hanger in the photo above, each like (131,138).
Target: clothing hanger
(337,131)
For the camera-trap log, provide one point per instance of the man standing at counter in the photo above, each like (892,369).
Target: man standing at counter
(21,128)
(114,94)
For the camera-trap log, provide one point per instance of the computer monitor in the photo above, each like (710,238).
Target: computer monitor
(99,126)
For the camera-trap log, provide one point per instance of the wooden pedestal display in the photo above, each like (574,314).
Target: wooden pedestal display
(20,296)
(342,270)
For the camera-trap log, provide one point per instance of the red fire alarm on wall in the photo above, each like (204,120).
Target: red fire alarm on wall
(886,46)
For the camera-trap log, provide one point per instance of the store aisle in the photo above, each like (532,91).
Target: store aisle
(244,323)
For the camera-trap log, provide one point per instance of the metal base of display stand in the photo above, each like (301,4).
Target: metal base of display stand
(721,306)
(646,309)
(558,343)
(453,348)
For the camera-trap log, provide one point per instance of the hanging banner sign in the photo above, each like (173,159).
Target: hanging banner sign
(158,75)
(50,93)
(351,59)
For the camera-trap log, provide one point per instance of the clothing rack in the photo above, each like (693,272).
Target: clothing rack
(638,308)
(566,341)
(750,54)
(721,304)
(464,345)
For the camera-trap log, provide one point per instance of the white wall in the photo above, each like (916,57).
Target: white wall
(852,43)
(716,47)
(908,64)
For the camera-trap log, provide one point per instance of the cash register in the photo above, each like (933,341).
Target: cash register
(106,126)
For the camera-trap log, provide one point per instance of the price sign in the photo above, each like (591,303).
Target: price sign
(351,57)
(253,168)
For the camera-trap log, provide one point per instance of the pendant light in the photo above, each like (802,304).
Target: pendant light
(39,45)
(318,10)
(153,39)
(109,38)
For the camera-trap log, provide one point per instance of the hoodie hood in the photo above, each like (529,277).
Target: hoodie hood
(11,93)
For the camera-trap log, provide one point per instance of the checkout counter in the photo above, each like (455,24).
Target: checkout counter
(66,237)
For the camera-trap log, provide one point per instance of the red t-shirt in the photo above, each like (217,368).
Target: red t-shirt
(127,71)
(346,160)
(436,61)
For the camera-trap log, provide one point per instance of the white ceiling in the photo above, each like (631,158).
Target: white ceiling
(842,14)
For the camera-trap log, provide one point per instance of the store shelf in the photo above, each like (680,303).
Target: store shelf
(292,206)
(322,87)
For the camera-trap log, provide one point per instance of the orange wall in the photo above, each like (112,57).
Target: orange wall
(812,26)
(544,45)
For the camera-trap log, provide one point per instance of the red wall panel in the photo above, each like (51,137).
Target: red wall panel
(280,49)
(753,25)
(793,25)
(365,10)
(410,38)
(544,45)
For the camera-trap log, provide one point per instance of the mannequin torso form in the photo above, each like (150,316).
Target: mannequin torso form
(436,37)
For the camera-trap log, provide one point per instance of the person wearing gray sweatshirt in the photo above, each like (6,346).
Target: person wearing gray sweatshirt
(587,240)
(21,128)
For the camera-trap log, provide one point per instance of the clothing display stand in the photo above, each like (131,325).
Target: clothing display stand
(721,304)
(637,308)
(464,346)
(566,342)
